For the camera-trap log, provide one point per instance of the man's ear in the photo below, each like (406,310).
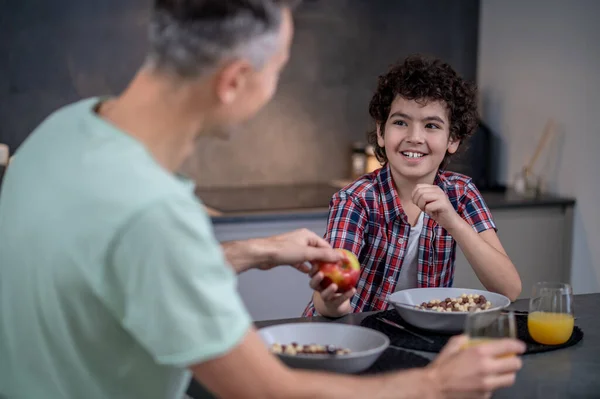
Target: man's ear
(380,140)
(231,80)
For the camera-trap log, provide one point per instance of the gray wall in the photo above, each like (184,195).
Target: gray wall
(340,47)
(540,59)
(55,52)
(59,51)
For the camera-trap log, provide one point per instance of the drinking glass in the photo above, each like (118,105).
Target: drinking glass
(551,318)
(482,327)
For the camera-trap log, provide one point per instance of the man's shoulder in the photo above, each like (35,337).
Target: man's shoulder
(68,114)
(82,164)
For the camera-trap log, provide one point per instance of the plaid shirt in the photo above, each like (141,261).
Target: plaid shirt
(366,217)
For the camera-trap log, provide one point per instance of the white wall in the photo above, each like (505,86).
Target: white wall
(540,59)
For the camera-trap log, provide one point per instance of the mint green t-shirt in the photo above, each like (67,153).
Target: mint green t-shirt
(111,281)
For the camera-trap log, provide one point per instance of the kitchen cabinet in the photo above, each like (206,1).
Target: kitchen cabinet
(538,240)
(282,292)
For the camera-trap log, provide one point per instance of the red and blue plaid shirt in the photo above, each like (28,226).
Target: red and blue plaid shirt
(366,217)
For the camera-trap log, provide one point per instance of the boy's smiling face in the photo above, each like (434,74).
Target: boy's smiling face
(416,138)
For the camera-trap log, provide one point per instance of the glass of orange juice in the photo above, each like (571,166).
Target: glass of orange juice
(551,320)
(481,327)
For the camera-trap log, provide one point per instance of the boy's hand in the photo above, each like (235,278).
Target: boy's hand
(335,304)
(432,200)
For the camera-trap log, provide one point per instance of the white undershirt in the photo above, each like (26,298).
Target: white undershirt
(408,272)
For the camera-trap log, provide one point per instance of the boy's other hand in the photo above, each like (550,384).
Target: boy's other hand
(432,200)
(336,303)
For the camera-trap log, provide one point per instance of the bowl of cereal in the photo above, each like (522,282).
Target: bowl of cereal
(333,347)
(443,309)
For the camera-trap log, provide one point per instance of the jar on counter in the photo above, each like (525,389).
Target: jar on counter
(372,162)
(359,160)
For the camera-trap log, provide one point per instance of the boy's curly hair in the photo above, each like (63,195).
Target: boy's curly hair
(424,80)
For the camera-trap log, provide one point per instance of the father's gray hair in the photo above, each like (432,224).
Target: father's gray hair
(189,38)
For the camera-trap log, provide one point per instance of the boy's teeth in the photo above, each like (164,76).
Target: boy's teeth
(412,154)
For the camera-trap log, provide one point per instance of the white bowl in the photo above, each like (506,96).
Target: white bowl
(365,344)
(446,322)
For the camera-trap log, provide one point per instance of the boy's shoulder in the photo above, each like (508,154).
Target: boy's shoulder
(457,184)
(454,179)
(365,188)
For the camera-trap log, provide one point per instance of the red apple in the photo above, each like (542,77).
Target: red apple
(344,273)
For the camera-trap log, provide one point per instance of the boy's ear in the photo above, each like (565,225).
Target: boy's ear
(453,146)
(380,140)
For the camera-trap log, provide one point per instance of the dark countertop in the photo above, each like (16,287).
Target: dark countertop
(565,373)
(311,201)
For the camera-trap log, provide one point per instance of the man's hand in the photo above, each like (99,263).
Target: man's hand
(297,248)
(477,371)
(432,200)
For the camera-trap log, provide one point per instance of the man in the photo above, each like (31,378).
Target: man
(112,284)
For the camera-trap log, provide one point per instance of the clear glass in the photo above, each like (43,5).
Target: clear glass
(483,327)
(527,184)
(551,316)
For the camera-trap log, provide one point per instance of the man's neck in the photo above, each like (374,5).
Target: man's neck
(157,113)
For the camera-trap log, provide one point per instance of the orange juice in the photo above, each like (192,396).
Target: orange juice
(550,328)
(475,341)
(478,341)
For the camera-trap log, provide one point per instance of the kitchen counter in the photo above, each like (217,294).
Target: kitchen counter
(565,373)
(311,201)
(562,374)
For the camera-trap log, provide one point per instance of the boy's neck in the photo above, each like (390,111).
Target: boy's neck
(405,187)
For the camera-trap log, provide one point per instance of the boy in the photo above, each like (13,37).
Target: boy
(404,220)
